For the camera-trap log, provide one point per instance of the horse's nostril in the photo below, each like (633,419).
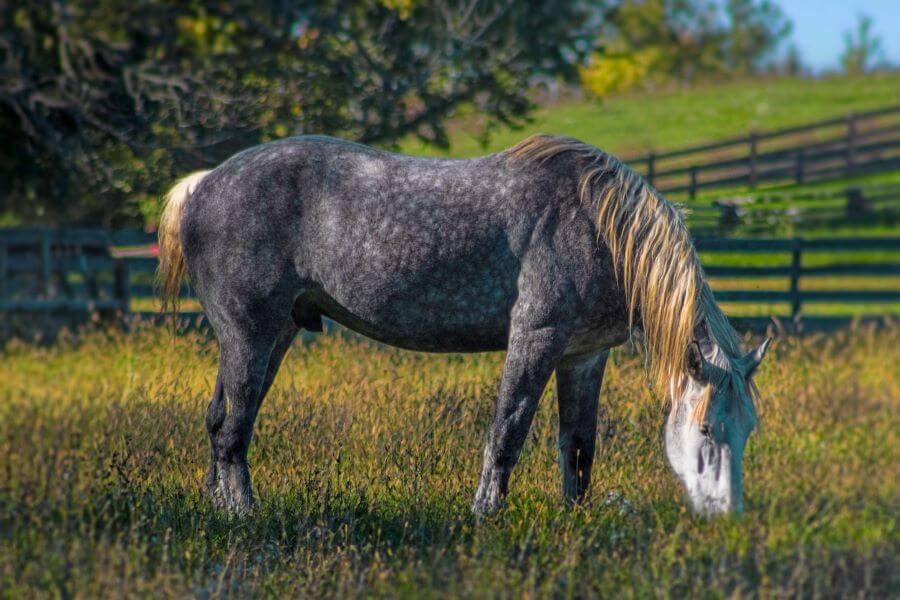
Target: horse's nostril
(704,429)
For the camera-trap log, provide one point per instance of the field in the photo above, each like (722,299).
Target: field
(366,458)
(365,462)
(636,123)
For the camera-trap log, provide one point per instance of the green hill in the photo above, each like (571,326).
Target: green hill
(634,124)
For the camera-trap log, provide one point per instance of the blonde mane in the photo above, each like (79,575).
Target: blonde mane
(656,264)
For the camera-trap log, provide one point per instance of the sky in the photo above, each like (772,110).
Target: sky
(819,27)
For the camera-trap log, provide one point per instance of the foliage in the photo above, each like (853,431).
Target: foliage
(683,40)
(106,101)
(862,48)
(612,72)
(757,28)
(366,460)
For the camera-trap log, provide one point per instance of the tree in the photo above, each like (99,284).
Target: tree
(105,102)
(755,31)
(861,48)
(792,63)
(683,35)
(684,40)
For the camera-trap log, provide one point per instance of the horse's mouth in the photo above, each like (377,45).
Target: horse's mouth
(713,492)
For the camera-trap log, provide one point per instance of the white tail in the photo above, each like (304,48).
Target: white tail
(171,268)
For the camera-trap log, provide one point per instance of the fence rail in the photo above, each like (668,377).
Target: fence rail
(856,144)
(90,270)
(795,295)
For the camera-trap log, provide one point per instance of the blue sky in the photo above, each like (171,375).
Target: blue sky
(819,27)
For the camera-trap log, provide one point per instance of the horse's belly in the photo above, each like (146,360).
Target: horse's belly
(418,324)
(430,263)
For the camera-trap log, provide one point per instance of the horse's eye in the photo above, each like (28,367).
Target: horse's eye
(704,429)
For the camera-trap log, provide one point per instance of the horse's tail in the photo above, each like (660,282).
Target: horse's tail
(171,268)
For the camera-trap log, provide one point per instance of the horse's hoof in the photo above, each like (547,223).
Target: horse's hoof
(233,506)
(210,486)
(487,503)
(233,502)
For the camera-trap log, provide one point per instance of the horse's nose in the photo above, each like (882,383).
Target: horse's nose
(704,428)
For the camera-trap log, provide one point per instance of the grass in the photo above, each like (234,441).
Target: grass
(634,124)
(365,462)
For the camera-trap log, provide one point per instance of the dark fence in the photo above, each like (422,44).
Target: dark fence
(795,270)
(90,270)
(69,269)
(858,143)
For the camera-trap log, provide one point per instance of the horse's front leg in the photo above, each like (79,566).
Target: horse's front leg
(578,381)
(530,359)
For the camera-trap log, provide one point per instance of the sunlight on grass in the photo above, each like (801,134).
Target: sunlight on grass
(634,124)
(365,463)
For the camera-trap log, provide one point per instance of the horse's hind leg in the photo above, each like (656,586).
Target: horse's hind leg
(230,486)
(243,365)
(578,382)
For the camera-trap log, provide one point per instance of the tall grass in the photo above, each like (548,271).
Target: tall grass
(365,463)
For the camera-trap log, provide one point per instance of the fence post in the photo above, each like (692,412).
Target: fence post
(796,269)
(90,281)
(729,215)
(851,142)
(651,167)
(692,192)
(122,284)
(46,264)
(753,139)
(4,269)
(800,166)
(856,205)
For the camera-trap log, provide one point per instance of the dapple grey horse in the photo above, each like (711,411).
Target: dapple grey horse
(552,251)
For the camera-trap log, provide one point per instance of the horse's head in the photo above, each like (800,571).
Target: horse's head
(709,424)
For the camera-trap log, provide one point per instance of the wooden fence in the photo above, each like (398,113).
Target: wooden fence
(89,270)
(795,270)
(858,143)
(43,270)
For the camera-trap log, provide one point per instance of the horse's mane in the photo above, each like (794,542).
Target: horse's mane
(656,263)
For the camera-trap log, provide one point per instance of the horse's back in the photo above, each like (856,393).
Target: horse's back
(418,252)
(423,253)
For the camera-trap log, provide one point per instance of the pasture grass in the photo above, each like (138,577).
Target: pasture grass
(674,118)
(366,459)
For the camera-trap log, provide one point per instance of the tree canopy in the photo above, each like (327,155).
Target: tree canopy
(105,102)
(862,48)
(684,41)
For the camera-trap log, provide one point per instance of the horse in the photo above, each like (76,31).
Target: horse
(552,250)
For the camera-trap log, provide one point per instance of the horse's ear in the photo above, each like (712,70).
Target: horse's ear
(695,362)
(754,358)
